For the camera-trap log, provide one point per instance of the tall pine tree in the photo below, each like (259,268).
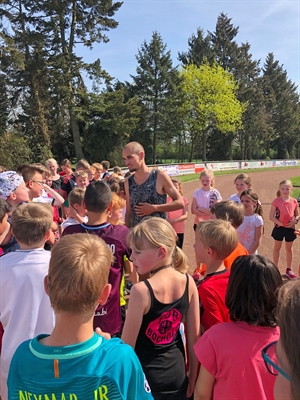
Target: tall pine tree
(156,84)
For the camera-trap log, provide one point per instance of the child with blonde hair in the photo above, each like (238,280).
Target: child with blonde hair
(251,230)
(177,218)
(97,169)
(285,215)
(203,199)
(242,182)
(77,210)
(81,179)
(73,362)
(157,307)
(215,240)
(25,309)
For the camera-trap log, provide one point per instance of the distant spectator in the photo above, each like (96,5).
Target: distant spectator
(98,169)
(66,167)
(105,165)
(69,182)
(56,178)
(81,179)
(117,170)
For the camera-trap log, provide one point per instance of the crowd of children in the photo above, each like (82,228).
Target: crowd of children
(169,344)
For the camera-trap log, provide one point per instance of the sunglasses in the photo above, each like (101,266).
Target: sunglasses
(271,364)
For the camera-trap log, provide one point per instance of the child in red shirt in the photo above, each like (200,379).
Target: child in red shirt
(215,240)
(231,353)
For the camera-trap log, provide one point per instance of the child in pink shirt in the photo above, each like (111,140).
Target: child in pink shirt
(177,218)
(230,353)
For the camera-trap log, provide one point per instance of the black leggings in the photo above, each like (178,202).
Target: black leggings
(180,237)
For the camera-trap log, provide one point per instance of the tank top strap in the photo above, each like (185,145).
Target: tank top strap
(187,287)
(147,283)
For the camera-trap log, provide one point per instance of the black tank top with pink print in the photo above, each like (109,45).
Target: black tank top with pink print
(160,349)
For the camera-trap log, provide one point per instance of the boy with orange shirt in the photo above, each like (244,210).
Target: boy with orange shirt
(234,213)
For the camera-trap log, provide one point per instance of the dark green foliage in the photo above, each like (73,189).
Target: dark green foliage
(156,84)
(282,105)
(111,118)
(199,50)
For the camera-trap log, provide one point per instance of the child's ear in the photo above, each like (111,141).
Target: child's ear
(48,235)
(29,184)
(162,252)
(110,206)
(210,252)
(12,197)
(104,294)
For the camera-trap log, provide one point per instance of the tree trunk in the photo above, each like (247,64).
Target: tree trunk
(76,135)
(203,146)
(192,150)
(268,148)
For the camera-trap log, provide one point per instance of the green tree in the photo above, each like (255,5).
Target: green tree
(43,35)
(210,102)
(4,105)
(250,93)
(156,85)
(199,50)
(111,119)
(282,103)
(14,150)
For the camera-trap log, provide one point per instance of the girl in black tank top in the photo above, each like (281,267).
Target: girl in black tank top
(157,308)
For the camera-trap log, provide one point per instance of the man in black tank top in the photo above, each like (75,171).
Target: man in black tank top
(147,189)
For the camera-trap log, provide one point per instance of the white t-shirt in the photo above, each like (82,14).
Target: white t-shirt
(206,199)
(44,198)
(25,309)
(72,221)
(246,231)
(234,197)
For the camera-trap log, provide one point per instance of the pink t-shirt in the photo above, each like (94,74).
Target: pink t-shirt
(231,351)
(178,226)
(285,210)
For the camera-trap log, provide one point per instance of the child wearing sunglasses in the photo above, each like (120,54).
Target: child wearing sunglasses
(230,353)
(287,385)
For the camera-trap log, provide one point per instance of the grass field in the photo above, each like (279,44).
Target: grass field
(296,193)
(296,181)
(192,177)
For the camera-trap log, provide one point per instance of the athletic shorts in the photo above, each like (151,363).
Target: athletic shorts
(279,233)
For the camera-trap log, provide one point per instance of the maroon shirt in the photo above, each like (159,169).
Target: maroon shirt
(108,316)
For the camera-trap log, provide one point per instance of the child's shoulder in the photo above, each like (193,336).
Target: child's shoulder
(257,218)
(185,200)
(210,279)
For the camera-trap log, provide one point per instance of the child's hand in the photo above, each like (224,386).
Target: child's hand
(291,224)
(297,232)
(106,335)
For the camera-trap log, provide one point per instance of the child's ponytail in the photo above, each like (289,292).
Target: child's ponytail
(179,260)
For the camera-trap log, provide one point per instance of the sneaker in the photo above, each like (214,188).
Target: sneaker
(290,274)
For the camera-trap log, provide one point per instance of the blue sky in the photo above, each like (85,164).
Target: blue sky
(269,27)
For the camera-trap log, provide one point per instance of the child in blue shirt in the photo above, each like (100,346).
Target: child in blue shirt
(73,362)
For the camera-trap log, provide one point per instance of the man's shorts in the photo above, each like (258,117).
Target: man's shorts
(279,232)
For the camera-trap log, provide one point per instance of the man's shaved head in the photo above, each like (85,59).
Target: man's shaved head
(135,147)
